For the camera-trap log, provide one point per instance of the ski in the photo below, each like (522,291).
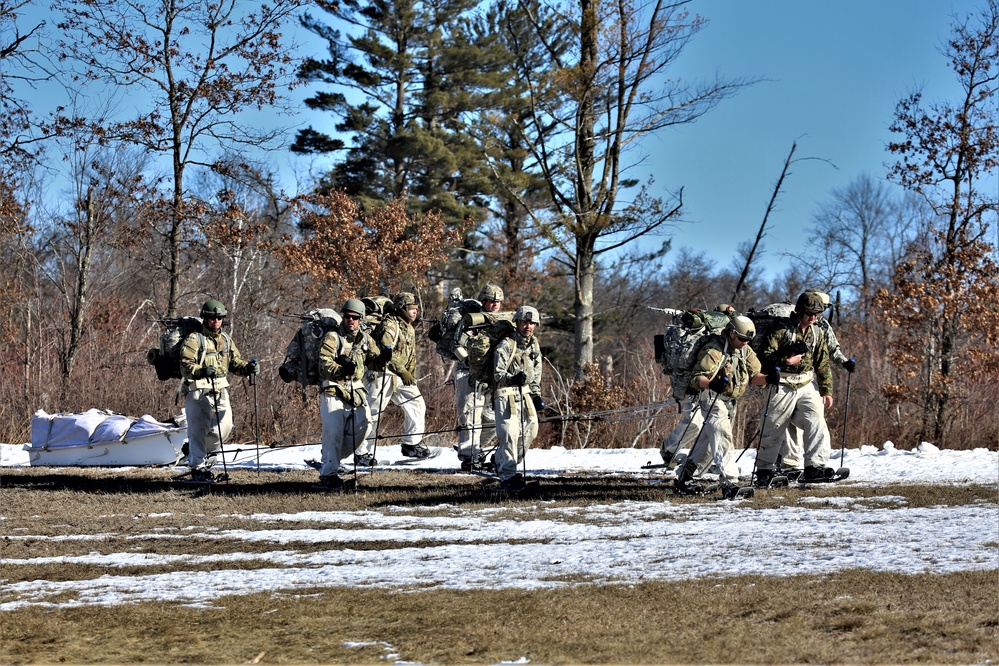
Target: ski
(840,474)
(652,465)
(186,479)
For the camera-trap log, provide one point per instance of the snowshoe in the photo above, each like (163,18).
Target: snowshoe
(201,477)
(681,487)
(366,460)
(792,473)
(331,483)
(479,464)
(823,475)
(734,492)
(768,478)
(418,452)
(318,466)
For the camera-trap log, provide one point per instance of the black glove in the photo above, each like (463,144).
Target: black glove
(793,349)
(773,377)
(719,384)
(385,355)
(287,376)
(346,364)
(539,404)
(849,365)
(407,377)
(519,379)
(205,372)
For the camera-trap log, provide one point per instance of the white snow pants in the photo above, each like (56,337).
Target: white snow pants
(715,440)
(387,387)
(200,408)
(344,427)
(685,432)
(803,408)
(476,418)
(516,428)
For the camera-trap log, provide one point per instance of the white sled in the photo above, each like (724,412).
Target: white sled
(99,438)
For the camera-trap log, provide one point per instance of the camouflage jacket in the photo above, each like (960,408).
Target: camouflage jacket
(815,358)
(716,359)
(513,354)
(398,334)
(203,348)
(359,348)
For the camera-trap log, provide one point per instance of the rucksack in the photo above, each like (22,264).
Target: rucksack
(166,359)
(376,308)
(766,320)
(301,358)
(680,344)
(445,331)
(481,332)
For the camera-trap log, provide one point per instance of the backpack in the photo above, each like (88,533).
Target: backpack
(766,320)
(166,359)
(301,358)
(680,344)
(376,308)
(481,332)
(445,331)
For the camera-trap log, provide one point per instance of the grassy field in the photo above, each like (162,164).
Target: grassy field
(852,616)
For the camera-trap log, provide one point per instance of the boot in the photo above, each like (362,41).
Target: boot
(417,451)
(818,473)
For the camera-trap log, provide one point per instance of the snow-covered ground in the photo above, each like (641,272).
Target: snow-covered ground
(541,545)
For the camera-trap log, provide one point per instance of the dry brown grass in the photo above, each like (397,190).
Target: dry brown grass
(847,617)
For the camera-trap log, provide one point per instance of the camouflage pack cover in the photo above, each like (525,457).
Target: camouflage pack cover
(301,358)
(480,335)
(166,358)
(682,340)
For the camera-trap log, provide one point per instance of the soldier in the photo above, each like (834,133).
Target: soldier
(792,451)
(206,358)
(725,367)
(684,434)
(394,381)
(517,396)
(343,404)
(801,352)
(476,420)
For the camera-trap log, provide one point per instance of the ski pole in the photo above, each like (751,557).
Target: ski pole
(763,424)
(689,463)
(846,413)
(256,417)
(218,425)
(378,418)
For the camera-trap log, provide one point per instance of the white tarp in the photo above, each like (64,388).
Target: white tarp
(91,428)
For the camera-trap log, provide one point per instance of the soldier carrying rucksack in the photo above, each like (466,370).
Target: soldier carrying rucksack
(205,358)
(517,396)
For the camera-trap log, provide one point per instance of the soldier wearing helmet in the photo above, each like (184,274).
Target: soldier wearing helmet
(801,353)
(517,396)
(725,367)
(473,402)
(392,380)
(792,450)
(206,357)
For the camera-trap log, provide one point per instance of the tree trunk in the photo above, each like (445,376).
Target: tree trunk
(586,270)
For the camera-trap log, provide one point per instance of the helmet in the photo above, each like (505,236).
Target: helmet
(527,313)
(353,306)
(727,308)
(490,292)
(213,308)
(403,299)
(810,302)
(743,327)
(822,295)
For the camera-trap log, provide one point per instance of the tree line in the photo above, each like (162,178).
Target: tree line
(472,142)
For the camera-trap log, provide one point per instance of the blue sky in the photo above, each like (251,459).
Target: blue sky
(835,71)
